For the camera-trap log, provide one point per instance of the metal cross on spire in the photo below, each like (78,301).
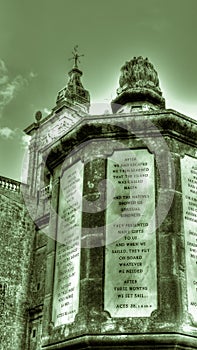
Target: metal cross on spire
(75,56)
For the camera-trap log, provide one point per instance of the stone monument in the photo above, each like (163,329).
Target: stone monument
(115,195)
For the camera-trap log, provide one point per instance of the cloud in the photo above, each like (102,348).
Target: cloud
(25,139)
(46,110)
(32,75)
(9,89)
(6,132)
(3,73)
(17,134)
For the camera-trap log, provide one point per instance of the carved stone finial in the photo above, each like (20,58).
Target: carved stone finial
(139,73)
(38,116)
(138,82)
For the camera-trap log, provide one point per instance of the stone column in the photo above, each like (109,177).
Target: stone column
(51,247)
(92,252)
(170,242)
(33,161)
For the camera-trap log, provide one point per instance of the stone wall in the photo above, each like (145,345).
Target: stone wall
(17,235)
(37,291)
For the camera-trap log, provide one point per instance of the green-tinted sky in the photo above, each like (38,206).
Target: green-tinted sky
(37,38)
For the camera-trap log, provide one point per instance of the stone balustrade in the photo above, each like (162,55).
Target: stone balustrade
(45,192)
(10,184)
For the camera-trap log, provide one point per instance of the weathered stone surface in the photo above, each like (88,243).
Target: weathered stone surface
(130,255)
(139,84)
(189,200)
(17,237)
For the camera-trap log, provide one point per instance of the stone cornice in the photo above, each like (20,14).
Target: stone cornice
(139,125)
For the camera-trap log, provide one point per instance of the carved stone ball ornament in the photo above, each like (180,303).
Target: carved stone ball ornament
(38,116)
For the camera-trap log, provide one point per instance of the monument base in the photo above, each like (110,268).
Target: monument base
(168,341)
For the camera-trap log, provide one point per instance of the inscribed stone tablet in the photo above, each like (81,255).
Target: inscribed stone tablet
(67,265)
(189,197)
(130,253)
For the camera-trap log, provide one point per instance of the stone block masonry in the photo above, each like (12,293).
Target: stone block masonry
(17,234)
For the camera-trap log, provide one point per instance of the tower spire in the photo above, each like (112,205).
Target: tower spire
(75,56)
(74,93)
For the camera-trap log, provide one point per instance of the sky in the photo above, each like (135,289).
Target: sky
(37,39)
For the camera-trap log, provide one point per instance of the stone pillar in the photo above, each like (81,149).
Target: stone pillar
(169,242)
(33,161)
(51,247)
(93,230)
